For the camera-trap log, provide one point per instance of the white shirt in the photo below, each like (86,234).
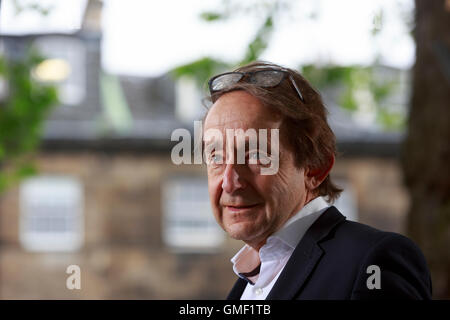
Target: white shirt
(275,253)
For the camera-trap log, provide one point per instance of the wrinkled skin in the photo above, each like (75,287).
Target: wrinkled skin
(247,205)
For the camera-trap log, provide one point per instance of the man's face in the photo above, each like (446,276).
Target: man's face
(247,205)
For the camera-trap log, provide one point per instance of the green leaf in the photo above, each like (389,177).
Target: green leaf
(377,23)
(211,16)
(22,115)
(391,120)
(200,70)
(347,100)
(260,42)
(26,170)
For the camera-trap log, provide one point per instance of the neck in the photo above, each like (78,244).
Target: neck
(256,245)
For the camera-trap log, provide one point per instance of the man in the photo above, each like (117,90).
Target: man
(296,245)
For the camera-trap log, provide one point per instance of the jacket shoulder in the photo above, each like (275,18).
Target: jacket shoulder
(358,240)
(404,269)
(367,236)
(358,235)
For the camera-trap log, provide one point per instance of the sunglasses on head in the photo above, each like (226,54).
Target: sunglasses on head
(267,78)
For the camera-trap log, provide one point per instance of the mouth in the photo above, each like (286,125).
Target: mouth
(241,208)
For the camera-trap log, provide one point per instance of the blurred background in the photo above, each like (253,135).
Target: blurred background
(91,90)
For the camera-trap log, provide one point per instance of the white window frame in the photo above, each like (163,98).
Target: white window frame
(42,199)
(185,203)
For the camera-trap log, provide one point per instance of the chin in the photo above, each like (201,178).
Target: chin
(239,231)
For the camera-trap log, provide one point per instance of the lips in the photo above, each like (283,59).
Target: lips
(236,208)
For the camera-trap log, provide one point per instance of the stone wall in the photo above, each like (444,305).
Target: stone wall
(124,257)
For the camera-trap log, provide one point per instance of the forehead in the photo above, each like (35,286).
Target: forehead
(241,110)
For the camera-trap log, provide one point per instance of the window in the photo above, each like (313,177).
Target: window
(51,214)
(188,97)
(188,222)
(65,65)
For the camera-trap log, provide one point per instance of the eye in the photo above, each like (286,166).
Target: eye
(215,159)
(258,157)
(253,155)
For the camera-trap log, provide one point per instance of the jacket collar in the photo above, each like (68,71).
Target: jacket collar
(303,260)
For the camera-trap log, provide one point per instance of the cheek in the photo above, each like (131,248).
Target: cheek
(215,190)
(268,188)
(286,187)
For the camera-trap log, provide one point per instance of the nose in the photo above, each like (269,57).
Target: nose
(232,181)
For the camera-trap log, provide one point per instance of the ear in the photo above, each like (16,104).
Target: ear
(315,176)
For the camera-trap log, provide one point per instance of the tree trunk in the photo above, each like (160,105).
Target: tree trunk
(426,153)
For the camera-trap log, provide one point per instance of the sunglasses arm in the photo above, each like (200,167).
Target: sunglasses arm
(296,88)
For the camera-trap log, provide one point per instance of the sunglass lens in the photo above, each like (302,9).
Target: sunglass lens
(269,78)
(225,81)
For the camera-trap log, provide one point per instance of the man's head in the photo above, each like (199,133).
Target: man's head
(251,206)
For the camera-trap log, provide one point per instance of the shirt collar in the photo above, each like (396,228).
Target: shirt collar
(295,228)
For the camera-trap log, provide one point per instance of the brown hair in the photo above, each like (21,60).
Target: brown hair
(308,134)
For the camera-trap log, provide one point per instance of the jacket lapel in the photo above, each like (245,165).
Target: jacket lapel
(304,258)
(237,290)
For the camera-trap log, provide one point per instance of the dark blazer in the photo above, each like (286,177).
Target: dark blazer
(331,260)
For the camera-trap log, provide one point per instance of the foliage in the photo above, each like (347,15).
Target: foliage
(20,7)
(211,16)
(351,80)
(260,42)
(204,68)
(22,112)
(201,69)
